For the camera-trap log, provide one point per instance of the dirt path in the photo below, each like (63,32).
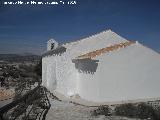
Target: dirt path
(63,110)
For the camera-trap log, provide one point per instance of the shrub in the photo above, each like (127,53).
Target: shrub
(145,111)
(157,113)
(38,68)
(127,110)
(141,110)
(101,110)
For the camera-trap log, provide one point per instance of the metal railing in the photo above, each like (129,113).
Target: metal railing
(33,105)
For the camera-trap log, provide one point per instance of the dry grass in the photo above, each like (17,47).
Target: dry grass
(6,94)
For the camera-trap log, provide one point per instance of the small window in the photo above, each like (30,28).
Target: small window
(52,46)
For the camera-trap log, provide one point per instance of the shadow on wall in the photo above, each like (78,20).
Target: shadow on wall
(58,51)
(87,65)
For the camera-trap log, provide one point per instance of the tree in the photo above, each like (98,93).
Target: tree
(38,68)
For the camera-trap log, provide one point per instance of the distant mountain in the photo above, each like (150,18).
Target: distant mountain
(26,54)
(19,57)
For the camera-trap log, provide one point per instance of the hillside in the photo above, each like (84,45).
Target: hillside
(19,58)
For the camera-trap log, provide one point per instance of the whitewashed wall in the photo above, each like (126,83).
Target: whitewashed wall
(66,76)
(128,74)
(58,74)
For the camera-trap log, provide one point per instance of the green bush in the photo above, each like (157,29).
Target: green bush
(101,110)
(38,68)
(141,110)
(157,112)
(145,111)
(127,110)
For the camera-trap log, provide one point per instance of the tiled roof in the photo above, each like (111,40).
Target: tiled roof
(95,53)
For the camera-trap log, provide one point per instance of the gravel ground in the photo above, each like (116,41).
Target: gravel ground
(63,110)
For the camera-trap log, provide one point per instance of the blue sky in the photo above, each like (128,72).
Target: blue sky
(26,28)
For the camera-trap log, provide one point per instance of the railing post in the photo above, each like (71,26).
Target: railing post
(1,116)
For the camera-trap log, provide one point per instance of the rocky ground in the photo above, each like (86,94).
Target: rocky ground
(64,110)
